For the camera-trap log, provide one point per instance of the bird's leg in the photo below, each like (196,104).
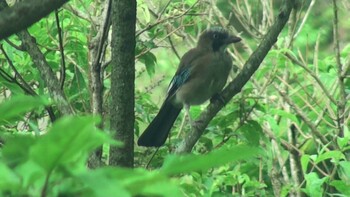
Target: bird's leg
(187,109)
(187,114)
(181,126)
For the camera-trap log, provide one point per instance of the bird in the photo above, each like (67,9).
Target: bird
(201,75)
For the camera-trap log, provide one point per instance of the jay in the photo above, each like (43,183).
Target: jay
(201,75)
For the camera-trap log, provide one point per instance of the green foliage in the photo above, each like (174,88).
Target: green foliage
(314,184)
(16,107)
(175,164)
(150,61)
(257,144)
(53,164)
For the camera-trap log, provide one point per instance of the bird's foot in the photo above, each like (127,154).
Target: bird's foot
(195,124)
(218,97)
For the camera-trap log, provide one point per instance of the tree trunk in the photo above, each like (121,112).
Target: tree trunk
(122,81)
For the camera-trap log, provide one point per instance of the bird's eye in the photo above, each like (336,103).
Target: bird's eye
(215,36)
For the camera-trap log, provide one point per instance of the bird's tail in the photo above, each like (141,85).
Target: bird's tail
(158,130)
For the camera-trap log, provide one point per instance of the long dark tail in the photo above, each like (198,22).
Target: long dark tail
(158,130)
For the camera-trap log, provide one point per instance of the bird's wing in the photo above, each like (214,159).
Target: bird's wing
(183,73)
(178,80)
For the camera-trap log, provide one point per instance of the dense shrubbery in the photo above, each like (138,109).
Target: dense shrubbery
(287,132)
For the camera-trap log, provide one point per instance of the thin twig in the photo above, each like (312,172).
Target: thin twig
(60,41)
(308,122)
(165,7)
(80,14)
(312,3)
(154,154)
(159,21)
(22,83)
(20,48)
(161,40)
(173,47)
(307,103)
(312,74)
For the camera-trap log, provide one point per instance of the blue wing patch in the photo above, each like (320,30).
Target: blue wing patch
(178,80)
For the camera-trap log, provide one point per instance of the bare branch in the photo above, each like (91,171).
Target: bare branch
(308,122)
(97,51)
(312,74)
(81,14)
(159,21)
(46,72)
(312,3)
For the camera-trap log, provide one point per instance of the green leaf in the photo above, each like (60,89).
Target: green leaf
(341,186)
(109,181)
(314,185)
(344,171)
(9,181)
(305,159)
(143,13)
(285,190)
(273,124)
(335,155)
(32,176)
(252,132)
(346,50)
(16,149)
(14,88)
(101,183)
(150,60)
(69,140)
(342,142)
(284,114)
(15,107)
(175,164)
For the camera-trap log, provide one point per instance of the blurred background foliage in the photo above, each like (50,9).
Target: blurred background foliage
(285,134)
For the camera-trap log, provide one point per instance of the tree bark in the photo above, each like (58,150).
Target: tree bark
(123,81)
(25,13)
(97,48)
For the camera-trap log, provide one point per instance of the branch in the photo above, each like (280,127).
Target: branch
(342,94)
(63,62)
(20,82)
(305,18)
(97,51)
(19,48)
(307,121)
(24,13)
(159,21)
(46,73)
(81,14)
(312,74)
(242,78)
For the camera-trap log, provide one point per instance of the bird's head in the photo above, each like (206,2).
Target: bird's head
(216,39)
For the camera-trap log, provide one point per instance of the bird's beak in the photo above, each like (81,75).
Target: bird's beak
(232,39)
